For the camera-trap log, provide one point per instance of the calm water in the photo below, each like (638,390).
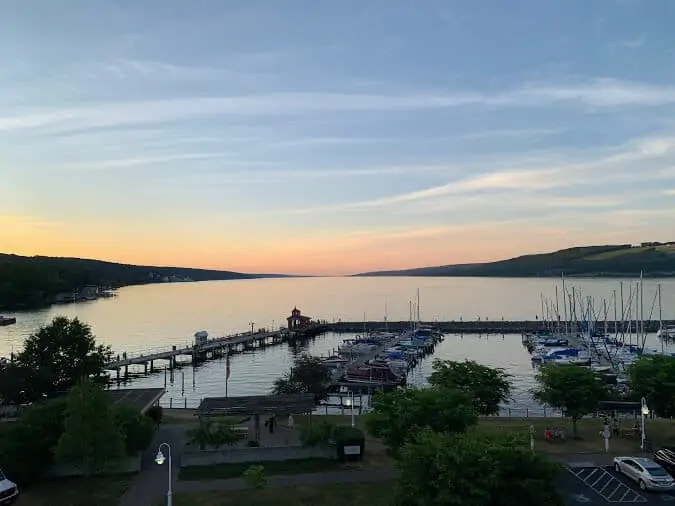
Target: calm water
(153,317)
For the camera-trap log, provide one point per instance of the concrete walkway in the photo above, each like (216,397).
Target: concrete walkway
(151,483)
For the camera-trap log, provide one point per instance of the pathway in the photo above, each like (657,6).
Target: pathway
(151,482)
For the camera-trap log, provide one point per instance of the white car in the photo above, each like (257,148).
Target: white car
(647,473)
(8,490)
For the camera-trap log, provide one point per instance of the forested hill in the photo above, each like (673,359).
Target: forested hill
(654,259)
(28,282)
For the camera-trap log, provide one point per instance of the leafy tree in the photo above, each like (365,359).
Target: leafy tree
(91,440)
(136,429)
(27,445)
(653,377)
(308,375)
(487,386)
(396,416)
(439,469)
(60,355)
(209,434)
(12,383)
(574,390)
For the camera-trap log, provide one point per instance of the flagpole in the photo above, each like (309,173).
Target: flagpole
(227,371)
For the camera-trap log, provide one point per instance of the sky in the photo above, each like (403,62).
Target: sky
(330,138)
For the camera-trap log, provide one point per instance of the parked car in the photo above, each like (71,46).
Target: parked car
(665,457)
(8,490)
(648,474)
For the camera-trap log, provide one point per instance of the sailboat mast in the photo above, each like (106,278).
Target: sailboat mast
(557,312)
(564,295)
(642,312)
(615,314)
(661,321)
(418,306)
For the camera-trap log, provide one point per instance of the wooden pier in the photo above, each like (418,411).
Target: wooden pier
(212,348)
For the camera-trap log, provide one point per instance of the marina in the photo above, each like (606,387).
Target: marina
(147,320)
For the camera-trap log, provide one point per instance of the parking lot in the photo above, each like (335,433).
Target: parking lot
(601,486)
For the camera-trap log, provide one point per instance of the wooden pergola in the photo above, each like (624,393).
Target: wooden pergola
(256,405)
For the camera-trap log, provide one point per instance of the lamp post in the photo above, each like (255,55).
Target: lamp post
(644,411)
(160,460)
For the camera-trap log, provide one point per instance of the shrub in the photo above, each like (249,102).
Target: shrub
(136,429)
(156,414)
(252,443)
(254,476)
(348,436)
(316,433)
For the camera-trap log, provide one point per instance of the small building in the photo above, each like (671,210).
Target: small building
(297,320)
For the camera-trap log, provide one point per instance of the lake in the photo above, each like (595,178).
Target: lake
(154,317)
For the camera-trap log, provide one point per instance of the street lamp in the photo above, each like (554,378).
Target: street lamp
(160,460)
(349,401)
(644,411)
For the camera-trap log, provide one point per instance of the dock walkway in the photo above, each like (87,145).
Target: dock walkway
(218,344)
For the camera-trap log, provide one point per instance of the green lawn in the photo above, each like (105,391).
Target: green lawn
(370,494)
(659,432)
(98,491)
(224,471)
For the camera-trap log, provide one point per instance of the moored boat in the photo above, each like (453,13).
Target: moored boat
(7,320)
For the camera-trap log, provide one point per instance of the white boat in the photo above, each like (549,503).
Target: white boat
(666,333)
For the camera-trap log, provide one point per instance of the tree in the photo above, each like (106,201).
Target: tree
(487,386)
(396,416)
(209,434)
(12,383)
(92,440)
(60,355)
(27,445)
(574,390)
(653,377)
(308,375)
(439,469)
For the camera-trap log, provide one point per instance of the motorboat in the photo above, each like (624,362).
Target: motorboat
(7,320)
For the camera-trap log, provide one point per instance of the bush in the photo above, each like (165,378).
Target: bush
(254,476)
(136,429)
(316,433)
(348,436)
(252,443)
(156,414)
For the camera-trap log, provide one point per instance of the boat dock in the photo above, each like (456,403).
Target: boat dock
(482,326)
(206,349)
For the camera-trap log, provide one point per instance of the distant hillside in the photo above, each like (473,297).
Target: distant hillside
(654,259)
(28,282)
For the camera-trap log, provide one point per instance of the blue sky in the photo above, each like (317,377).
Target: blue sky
(334,136)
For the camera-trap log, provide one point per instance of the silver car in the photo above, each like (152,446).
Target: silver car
(647,473)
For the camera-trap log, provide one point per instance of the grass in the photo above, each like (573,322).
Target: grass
(380,494)
(659,432)
(97,491)
(224,471)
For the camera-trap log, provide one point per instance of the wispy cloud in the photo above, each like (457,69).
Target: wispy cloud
(140,161)
(511,133)
(633,44)
(596,93)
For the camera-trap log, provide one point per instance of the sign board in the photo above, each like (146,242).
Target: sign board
(353,450)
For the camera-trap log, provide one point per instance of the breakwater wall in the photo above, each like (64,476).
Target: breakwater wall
(489,326)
